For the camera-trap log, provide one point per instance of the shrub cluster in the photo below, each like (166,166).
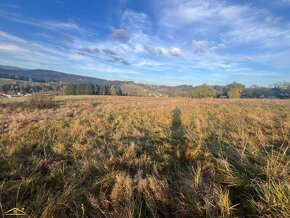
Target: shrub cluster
(41,101)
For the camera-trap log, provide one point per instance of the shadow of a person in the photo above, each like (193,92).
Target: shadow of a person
(177,134)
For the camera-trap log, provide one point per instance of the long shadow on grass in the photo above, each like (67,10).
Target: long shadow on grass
(177,134)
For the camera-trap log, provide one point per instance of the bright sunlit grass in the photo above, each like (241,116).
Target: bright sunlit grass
(102,156)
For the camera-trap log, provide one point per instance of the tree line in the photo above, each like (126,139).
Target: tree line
(236,90)
(92,89)
(29,87)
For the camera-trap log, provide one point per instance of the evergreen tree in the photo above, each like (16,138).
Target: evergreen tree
(4,88)
(70,89)
(96,89)
(119,91)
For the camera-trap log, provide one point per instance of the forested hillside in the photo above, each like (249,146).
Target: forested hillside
(15,80)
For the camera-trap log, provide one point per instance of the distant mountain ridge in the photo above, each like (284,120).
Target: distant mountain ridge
(129,87)
(16,78)
(11,67)
(40,75)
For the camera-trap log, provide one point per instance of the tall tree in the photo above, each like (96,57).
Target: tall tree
(234,90)
(203,91)
(113,90)
(4,88)
(119,91)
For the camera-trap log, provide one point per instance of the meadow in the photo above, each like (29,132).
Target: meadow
(106,156)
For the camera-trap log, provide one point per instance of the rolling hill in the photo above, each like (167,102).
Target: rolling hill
(40,75)
(128,87)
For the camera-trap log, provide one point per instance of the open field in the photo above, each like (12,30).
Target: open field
(101,156)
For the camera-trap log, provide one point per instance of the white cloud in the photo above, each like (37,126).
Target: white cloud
(234,23)
(10,37)
(11,48)
(251,73)
(175,52)
(203,46)
(132,20)
(200,46)
(45,24)
(148,63)
(185,12)
(33,52)
(236,26)
(263,35)
(62,25)
(80,50)
(225,33)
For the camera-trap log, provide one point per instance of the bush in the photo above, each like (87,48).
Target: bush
(41,101)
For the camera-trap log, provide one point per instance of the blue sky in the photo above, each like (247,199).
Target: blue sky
(159,42)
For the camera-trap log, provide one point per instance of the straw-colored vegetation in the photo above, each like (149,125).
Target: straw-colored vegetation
(146,157)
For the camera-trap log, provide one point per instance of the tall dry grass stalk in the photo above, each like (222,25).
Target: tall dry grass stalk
(146,157)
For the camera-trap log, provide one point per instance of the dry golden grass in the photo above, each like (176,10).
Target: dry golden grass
(100,156)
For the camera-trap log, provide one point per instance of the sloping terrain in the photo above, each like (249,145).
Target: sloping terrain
(49,76)
(128,87)
(98,156)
